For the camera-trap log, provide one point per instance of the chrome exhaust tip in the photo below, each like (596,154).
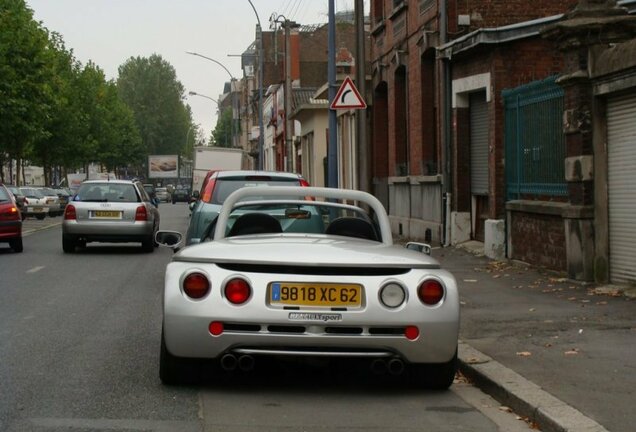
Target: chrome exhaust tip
(246,363)
(378,367)
(229,362)
(395,366)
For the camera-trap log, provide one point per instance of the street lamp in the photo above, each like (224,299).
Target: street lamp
(218,106)
(232,90)
(261,54)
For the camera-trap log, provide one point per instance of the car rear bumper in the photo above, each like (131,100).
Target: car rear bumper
(10,229)
(109,231)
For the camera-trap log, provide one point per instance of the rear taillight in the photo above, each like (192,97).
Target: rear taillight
(207,193)
(430,292)
(69,212)
(26,201)
(304,183)
(237,291)
(196,285)
(11,214)
(141,214)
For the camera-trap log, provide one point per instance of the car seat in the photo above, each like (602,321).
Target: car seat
(352,227)
(255,223)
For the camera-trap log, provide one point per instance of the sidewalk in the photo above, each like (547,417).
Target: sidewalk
(559,352)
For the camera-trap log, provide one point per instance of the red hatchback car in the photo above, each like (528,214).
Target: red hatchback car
(10,220)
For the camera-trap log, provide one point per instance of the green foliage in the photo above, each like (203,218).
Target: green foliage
(61,115)
(222,133)
(149,86)
(26,75)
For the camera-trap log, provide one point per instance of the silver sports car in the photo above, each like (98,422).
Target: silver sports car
(303,272)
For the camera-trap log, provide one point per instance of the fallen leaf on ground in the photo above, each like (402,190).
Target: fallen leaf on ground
(505,409)
(524,353)
(573,351)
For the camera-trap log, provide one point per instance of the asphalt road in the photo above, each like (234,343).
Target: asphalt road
(79,345)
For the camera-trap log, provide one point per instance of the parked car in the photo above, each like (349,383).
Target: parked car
(34,203)
(162,194)
(18,196)
(110,211)
(10,220)
(52,201)
(64,196)
(300,278)
(181,193)
(152,193)
(218,185)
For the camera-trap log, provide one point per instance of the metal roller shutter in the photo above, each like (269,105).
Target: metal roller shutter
(479,143)
(621,158)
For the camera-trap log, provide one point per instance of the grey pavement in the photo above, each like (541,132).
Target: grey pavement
(560,353)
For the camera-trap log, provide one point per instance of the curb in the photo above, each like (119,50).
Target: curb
(521,395)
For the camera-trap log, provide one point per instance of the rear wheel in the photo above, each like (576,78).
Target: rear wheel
(68,243)
(16,244)
(175,370)
(148,244)
(435,376)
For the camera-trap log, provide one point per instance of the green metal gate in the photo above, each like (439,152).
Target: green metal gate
(534,139)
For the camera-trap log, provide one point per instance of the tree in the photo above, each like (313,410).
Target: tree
(222,133)
(25,83)
(150,88)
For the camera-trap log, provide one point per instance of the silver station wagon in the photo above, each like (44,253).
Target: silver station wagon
(112,211)
(301,272)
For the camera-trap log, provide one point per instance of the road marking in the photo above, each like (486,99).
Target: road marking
(35,269)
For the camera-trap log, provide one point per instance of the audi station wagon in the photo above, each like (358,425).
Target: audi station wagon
(111,211)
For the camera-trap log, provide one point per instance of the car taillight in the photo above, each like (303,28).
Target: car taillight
(69,212)
(141,214)
(26,201)
(207,192)
(304,183)
(411,332)
(196,285)
(237,291)
(430,292)
(12,213)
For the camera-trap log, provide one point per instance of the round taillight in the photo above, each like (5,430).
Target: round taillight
(411,332)
(237,291)
(196,285)
(69,212)
(216,328)
(430,292)
(392,295)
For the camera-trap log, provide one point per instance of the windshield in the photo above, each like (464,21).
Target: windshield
(225,186)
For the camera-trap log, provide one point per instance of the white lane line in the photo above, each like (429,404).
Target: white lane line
(35,269)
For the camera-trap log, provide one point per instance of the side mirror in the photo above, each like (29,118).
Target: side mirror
(171,239)
(420,247)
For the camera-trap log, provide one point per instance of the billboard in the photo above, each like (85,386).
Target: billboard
(164,166)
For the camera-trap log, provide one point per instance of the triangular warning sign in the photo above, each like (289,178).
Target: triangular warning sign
(348,97)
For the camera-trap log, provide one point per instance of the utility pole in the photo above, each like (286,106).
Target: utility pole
(289,124)
(361,114)
(332,147)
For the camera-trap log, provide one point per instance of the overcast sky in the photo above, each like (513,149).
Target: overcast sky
(108,32)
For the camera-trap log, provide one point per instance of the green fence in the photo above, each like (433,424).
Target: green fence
(535,144)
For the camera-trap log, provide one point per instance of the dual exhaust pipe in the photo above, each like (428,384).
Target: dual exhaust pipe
(230,362)
(393,366)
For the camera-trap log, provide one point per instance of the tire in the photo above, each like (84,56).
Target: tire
(175,370)
(16,244)
(40,216)
(68,243)
(148,244)
(434,376)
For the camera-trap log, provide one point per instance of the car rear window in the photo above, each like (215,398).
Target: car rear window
(107,192)
(225,186)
